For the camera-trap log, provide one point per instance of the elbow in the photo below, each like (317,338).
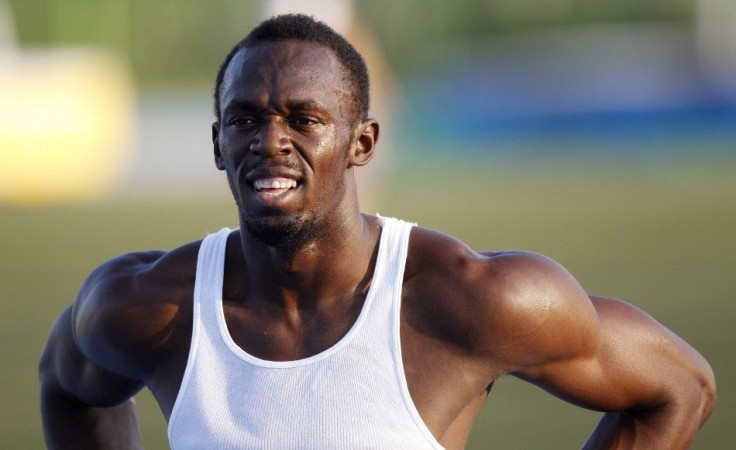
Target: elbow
(47,370)
(708,392)
(691,401)
(696,397)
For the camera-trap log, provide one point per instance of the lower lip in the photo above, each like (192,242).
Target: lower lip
(275,198)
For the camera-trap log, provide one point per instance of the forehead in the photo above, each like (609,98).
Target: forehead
(285,68)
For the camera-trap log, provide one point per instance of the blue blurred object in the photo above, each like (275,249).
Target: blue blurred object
(611,90)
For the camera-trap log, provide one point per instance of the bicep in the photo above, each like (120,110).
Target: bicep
(65,370)
(634,363)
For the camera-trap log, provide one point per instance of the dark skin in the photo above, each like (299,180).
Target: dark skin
(467,318)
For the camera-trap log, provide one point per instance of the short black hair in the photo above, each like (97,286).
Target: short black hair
(305,28)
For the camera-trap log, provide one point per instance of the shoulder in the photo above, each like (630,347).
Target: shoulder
(129,308)
(518,308)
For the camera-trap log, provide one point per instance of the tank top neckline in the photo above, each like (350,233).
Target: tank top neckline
(344,340)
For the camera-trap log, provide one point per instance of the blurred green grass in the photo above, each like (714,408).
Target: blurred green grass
(662,237)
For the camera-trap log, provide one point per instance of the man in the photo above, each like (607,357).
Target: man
(316,326)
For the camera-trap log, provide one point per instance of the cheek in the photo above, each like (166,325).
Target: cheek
(333,152)
(229,153)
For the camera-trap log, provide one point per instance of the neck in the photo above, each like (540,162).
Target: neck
(335,264)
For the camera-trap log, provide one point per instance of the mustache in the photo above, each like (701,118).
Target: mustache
(248,167)
(278,168)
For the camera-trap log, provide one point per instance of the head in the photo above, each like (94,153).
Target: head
(291,126)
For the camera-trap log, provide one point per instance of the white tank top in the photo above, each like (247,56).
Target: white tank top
(352,395)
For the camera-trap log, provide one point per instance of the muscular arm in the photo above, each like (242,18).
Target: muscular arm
(658,390)
(98,354)
(605,355)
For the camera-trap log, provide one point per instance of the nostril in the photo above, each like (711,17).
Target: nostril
(263,150)
(271,139)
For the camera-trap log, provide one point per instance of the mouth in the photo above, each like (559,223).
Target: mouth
(275,190)
(274,186)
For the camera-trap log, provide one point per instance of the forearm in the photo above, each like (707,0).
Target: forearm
(621,430)
(70,424)
(70,384)
(672,426)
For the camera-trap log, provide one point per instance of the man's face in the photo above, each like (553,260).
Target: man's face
(284,136)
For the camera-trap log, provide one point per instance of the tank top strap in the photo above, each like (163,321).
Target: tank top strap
(397,240)
(389,273)
(210,268)
(207,288)
(388,276)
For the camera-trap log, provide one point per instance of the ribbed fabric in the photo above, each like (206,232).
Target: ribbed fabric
(352,395)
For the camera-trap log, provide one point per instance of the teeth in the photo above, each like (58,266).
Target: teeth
(274,183)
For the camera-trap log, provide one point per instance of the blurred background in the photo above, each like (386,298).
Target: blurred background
(602,134)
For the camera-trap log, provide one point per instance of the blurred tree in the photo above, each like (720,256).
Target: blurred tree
(403,27)
(155,35)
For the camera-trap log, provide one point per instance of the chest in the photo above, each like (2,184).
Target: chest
(276,335)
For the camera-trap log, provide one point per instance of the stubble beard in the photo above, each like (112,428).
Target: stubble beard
(287,234)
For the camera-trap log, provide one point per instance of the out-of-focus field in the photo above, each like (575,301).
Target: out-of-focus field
(661,236)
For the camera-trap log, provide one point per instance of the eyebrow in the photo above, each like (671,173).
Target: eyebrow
(242,105)
(303,105)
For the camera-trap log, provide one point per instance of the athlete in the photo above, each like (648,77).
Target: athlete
(315,326)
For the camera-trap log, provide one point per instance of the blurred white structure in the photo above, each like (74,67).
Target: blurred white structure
(7,29)
(715,29)
(65,121)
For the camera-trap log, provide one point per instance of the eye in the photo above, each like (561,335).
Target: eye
(303,121)
(241,121)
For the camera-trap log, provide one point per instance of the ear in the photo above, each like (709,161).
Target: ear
(216,144)
(365,143)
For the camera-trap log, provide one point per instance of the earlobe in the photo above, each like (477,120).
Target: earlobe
(216,145)
(365,143)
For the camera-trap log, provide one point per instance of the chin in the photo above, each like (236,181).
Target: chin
(287,233)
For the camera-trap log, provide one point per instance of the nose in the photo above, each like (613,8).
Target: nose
(272,139)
